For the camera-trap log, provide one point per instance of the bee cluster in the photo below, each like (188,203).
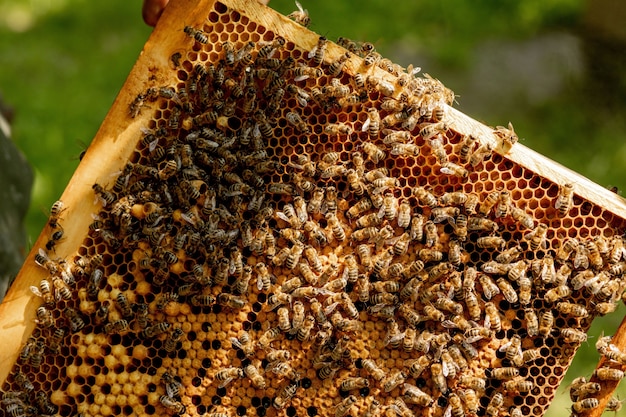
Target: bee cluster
(293,238)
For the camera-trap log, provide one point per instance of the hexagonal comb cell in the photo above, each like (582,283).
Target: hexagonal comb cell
(303,228)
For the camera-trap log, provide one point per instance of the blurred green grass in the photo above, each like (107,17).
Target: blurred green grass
(63,62)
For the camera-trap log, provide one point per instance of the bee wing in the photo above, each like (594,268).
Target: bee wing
(259,283)
(225,382)
(366,124)
(189,219)
(330,308)
(43,254)
(300,8)
(446,170)
(487,323)
(36,291)
(170,390)
(236,343)
(412,71)
(394,338)
(504,346)
(312,51)
(282,216)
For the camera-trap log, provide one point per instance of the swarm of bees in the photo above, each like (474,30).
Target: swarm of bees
(272,255)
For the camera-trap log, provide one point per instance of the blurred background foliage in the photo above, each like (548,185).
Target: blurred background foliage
(555,68)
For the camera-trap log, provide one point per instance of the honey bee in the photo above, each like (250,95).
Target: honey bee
(608,374)
(343,408)
(302,73)
(300,16)
(605,308)
(401,409)
(124,305)
(352,383)
(614,404)
(381,85)
(338,129)
(27,349)
(135,106)
(473,383)
(226,375)
(442,214)
(413,395)
(493,408)
(197,34)
(507,290)
(571,309)
(318,51)
(44,292)
(173,405)
(436,146)
(172,340)
(373,152)
(116,327)
(537,237)
(231,301)
(283,319)
(396,136)
(74,318)
(571,335)
(281,189)
(439,379)
(257,380)
(268,337)
(523,218)
(303,331)
(490,201)
(36,354)
(285,395)
(155,330)
(491,313)
(285,370)
(518,385)
(425,198)
(431,236)
(335,67)
(470,203)
(42,259)
(505,372)
(490,289)
(54,238)
(450,168)
(55,213)
(372,124)
(584,405)
(278,355)
(595,258)
(546,323)
(24,382)
(477,333)
(557,293)
(564,200)
(373,370)
(581,257)
(512,349)
(102,313)
(467,147)
(481,224)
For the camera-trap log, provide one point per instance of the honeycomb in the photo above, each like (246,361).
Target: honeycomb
(306,228)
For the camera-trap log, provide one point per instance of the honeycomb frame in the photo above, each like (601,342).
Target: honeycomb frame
(116,142)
